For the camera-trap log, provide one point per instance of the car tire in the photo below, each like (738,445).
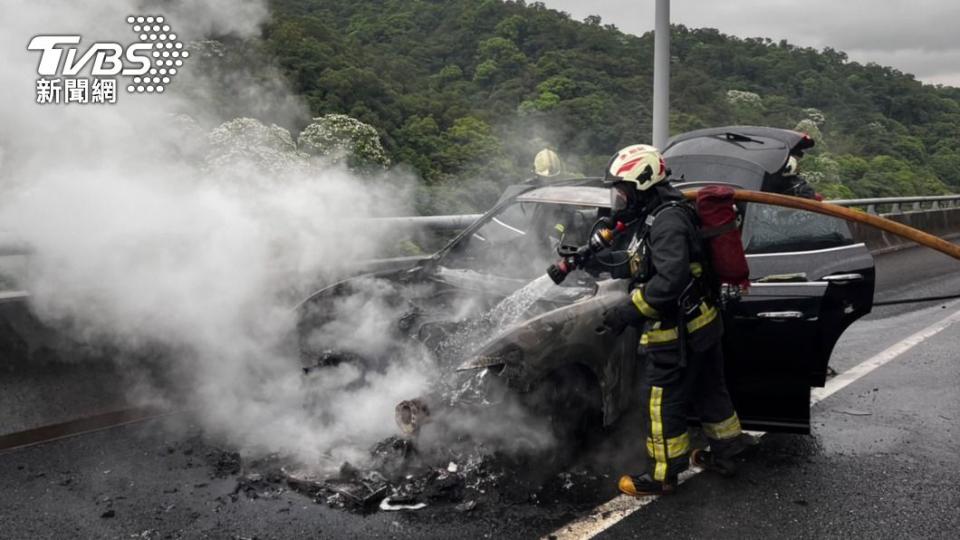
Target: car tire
(570,399)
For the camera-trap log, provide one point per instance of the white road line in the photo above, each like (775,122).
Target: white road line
(844,379)
(615,510)
(609,513)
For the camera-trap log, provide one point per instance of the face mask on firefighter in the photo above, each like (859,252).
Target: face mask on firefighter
(626,203)
(624,197)
(619,199)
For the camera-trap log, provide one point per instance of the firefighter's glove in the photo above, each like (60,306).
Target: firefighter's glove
(558,272)
(600,240)
(619,318)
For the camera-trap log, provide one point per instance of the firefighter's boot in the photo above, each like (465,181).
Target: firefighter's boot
(735,446)
(743,444)
(644,485)
(711,461)
(722,455)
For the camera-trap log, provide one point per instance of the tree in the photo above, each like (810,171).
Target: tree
(469,142)
(747,106)
(245,143)
(499,58)
(946,165)
(339,138)
(450,84)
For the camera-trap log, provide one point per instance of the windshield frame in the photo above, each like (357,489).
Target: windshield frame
(446,257)
(503,203)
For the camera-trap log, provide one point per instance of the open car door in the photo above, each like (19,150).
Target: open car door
(810,281)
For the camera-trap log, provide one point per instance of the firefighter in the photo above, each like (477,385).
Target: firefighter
(555,222)
(669,288)
(797,185)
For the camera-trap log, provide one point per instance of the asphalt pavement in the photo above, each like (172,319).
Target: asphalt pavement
(881,462)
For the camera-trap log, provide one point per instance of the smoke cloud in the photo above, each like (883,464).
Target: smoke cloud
(148,239)
(162,232)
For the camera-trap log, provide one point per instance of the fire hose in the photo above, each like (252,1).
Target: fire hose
(848,214)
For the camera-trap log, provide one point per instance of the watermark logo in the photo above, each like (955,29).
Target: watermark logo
(144,66)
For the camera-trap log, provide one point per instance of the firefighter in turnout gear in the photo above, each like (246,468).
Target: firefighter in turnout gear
(553,224)
(674,303)
(796,185)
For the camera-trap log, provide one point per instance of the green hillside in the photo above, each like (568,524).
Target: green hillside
(466,91)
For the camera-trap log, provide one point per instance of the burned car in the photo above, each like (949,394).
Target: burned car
(483,306)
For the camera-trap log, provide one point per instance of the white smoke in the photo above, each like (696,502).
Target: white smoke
(139,245)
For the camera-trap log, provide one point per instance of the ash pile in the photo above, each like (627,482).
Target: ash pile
(470,441)
(404,479)
(478,444)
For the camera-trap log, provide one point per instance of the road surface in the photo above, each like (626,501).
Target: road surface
(882,461)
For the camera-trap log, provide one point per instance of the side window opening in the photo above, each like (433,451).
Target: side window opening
(772,229)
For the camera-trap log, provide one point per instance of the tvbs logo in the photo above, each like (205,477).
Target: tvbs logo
(148,65)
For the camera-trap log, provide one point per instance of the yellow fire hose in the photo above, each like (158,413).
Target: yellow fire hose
(884,224)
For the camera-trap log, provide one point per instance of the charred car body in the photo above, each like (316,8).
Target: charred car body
(484,307)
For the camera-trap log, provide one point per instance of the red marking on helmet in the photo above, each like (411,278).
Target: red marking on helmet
(628,166)
(663,167)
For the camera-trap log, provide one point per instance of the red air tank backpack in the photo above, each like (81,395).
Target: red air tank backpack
(721,237)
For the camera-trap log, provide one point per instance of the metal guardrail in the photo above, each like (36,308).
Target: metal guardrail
(461,221)
(896,205)
(437,223)
(11,249)
(10,274)
(13,296)
(11,245)
(892,205)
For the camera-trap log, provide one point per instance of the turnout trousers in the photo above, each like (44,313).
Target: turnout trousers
(669,391)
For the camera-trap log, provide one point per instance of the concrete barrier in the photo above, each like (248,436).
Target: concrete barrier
(944,223)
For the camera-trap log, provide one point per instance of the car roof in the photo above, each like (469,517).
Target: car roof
(572,195)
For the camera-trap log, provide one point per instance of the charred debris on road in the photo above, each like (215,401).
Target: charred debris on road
(403,478)
(471,441)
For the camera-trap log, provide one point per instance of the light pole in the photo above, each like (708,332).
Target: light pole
(661,74)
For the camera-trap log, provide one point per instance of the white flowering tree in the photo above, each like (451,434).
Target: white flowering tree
(247,142)
(815,115)
(811,128)
(339,138)
(742,97)
(747,106)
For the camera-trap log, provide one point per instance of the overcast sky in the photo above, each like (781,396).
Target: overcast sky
(915,36)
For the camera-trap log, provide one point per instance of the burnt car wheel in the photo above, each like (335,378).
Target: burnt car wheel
(570,399)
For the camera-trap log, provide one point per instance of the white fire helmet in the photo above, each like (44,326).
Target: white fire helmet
(547,164)
(790,169)
(640,164)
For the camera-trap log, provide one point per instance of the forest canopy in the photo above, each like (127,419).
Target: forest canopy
(467,91)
